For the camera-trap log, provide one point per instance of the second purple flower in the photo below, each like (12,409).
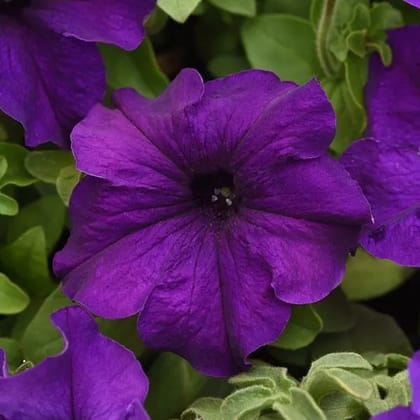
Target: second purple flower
(210,210)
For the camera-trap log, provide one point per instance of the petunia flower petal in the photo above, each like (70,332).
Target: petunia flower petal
(127,156)
(93,377)
(306,258)
(127,242)
(314,189)
(154,117)
(207,309)
(397,413)
(211,144)
(35,87)
(413,2)
(110,21)
(393,92)
(300,124)
(390,177)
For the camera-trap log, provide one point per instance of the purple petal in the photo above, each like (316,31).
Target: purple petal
(393,93)
(313,189)
(208,310)
(415,3)
(93,377)
(110,21)
(397,413)
(414,375)
(127,157)
(154,117)
(299,124)
(127,242)
(3,364)
(213,127)
(306,258)
(390,177)
(47,82)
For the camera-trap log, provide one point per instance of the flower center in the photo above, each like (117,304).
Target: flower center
(9,6)
(216,191)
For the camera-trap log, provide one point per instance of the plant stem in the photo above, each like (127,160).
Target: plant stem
(324,56)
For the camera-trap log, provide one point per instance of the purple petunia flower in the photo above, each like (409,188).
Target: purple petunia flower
(210,210)
(413,2)
(388,168)
(94,377)
(407,413)
(50,77)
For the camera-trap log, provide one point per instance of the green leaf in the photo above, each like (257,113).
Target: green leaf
(246,402)
(40,338)
(137,69)
(241,7)
(12,298)
(48,212)
(368,277)
(304,325)
(384,16)
(301,407)
(340,360)
(351,118)
(67,180)
(342,406)
(8,205)
(326,381)
(46,165)
(174,381)
(124,331)
(26,261)
(178,10)
(283,44)
(274,378)
(336,312)
(372,332)
(3,166)
(204,408)
(16,173)
(225,64)
(290,7)
(13,353)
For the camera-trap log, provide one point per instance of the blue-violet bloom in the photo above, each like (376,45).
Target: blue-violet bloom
(210,210)
(93,378)
(51,72)
(387,166)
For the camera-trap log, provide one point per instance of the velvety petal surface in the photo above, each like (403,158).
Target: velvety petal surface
(110,21)
(127,242)
(312,189)
(306,258)
(94,377)
(127,157)
(390,177)
(215,305)
(393,92)
(397,413)
(154,118)
(47,82)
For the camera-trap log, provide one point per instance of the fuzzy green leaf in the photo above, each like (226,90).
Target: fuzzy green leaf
(178,10)
(241,7)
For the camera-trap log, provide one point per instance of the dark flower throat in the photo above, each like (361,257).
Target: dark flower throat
(216,192)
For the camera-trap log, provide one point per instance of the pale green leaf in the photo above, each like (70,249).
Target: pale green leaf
(239,7)
(283,44)
(12,298)
(178,10)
